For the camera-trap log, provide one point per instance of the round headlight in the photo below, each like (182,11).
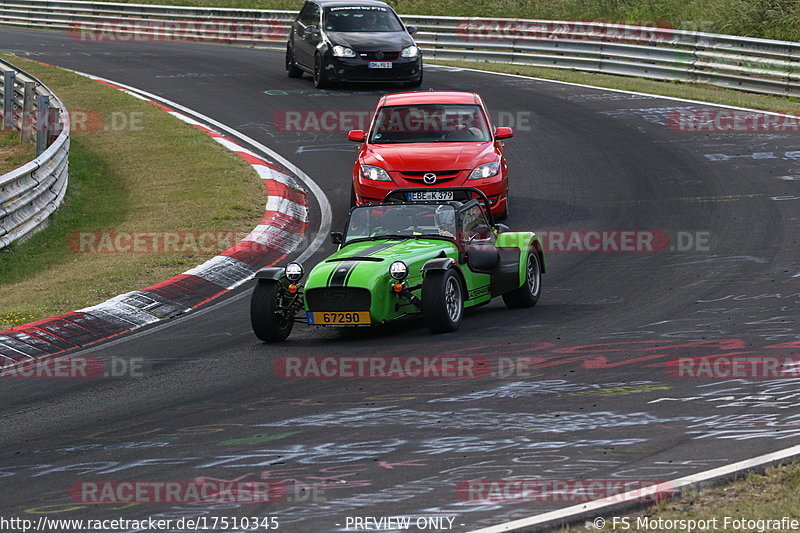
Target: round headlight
(343,51)
(398,270)
(411,51)
(294,271)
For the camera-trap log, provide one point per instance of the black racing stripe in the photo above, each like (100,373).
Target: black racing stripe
(341,273)
(347,278)
(378,248)
(330,276)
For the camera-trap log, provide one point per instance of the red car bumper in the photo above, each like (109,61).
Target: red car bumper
(495,188)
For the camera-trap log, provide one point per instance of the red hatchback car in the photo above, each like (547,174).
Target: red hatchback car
(431,139)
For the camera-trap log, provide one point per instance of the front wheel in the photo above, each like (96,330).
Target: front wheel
(320,75)
(270,322)
(528,294)
(442,301)
(292,70)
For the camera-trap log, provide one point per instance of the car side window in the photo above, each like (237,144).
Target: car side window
(476,226)
(309,16)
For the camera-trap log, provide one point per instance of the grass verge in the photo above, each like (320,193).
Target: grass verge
(13,154)
(133,168)
(691,91)
(771,495)
(769,19)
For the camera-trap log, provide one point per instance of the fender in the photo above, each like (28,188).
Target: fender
(440,263)
(537,244)
(522,240)
(445,263)
(275,273)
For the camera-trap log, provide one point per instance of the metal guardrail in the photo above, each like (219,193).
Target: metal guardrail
(756,65)
(31,193)
(749,64)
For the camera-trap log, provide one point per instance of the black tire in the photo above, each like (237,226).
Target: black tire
(320,75)
(352,195)
(269,324)
(292,70)
(442,301)
(528,294)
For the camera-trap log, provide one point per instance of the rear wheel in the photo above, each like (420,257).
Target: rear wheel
(442,301)
(528,294)
(320,75)
(270,322)
(292,70)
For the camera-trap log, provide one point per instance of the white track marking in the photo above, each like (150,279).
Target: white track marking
(322,200)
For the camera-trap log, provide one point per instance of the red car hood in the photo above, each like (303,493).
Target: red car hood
(429,156)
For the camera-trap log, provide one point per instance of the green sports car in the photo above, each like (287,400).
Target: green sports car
(420,253)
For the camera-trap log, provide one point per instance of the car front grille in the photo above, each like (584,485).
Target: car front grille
(374,56)
(441,176)
(338,299)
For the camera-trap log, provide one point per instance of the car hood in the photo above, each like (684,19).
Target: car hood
(392,41)
(423,157)
(366,263)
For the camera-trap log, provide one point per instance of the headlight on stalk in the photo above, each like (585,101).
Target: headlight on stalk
(294,271)
(398,270)
(485,171)
(368,172)
(343,51)
(410,51)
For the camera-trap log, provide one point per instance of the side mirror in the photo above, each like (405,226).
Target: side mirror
(337,238)
(412,30)
(502,228)
(356,135)
(310,30)
(503,133)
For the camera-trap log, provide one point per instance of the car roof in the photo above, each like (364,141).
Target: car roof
(431,97)
(344,3)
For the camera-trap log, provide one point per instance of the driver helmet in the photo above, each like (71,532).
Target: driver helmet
(445,217)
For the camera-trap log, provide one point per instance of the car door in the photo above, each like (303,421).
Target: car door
(305,40)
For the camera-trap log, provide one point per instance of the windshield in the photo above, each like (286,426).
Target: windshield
(430,123)
(382,221)
(361,18)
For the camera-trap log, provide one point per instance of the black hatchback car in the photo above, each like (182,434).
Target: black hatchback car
(359,40)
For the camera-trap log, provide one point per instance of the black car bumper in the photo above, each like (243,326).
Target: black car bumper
(357,69)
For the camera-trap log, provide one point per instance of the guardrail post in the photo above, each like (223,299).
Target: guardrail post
(8,99)
(26,131)
(42,122)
